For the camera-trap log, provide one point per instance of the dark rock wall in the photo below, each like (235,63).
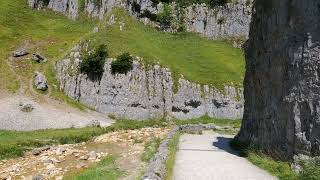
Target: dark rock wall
(282,87)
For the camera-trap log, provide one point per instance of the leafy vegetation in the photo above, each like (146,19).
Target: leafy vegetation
(150,149)
(14,143)
(197,59)
(165,17)
(93,64)
(123,64)
(184,3)
(311,170)
(209,120)
(106,168)
(280,169)
(173,147)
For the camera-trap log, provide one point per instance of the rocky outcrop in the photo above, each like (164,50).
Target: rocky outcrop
(146,93)
(229,21)
(282,86)
(67,7)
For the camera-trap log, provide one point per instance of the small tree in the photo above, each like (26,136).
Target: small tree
(123,64)
(93,64)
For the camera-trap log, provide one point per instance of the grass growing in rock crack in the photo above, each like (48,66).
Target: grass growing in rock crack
(173,148)
(106,168)
(280,169)
(14,144)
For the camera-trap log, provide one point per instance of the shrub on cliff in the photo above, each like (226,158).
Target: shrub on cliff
(165,17)
(45,2)
(122,65)
(93,64)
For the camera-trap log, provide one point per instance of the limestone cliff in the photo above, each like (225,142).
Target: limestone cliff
(229,21)
(67,7)
(145,93)
(282,86)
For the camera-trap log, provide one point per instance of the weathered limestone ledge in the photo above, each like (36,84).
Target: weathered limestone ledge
(229,21)
(146,93)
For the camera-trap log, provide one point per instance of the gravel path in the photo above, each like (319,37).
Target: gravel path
(209,157)
(50,114)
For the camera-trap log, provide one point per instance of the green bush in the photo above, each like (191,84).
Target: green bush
(45,2)
(165,17)
(122,65)
(93,64)
(311,171)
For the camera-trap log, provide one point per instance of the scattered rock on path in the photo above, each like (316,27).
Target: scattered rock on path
(92,155)
(26,107)
(36,152)
(40,81)
(19,53)
(38,58)
(38,177)
(81,165)
(94,123)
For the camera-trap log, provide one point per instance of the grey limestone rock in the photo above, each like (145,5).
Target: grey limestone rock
(39,58)
(282,86)
(229,21)
(20,52)
(26,107)
(40,81)
(67,7)
(146,93)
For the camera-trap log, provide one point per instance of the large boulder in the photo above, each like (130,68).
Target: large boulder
(282,85)
(40,81)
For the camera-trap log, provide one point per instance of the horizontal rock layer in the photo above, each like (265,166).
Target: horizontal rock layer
(146,93)
(229,21)
(282,86)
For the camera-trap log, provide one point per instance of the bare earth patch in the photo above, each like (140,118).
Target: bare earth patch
(55,162)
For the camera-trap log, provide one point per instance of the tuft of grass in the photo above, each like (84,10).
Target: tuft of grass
(173,147)
(311,170)
(209,120)
(105,169)
(196,58)
(150,149)
(280,169)
(14,143)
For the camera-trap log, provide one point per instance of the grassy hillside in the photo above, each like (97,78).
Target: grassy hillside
(198,59)
(42,31)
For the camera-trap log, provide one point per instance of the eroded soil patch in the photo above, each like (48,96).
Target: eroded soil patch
(55,162)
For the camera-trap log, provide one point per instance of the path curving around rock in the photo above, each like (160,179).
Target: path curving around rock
(209,157)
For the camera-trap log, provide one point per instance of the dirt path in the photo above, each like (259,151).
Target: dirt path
(58,161)
(47,113)
(209,157)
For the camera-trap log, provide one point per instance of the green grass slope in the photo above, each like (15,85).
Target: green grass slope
(44,31)
(197,59)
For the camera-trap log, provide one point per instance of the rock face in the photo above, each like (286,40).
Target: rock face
(67,7)
(229,21)
(146,93)
(282,86)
